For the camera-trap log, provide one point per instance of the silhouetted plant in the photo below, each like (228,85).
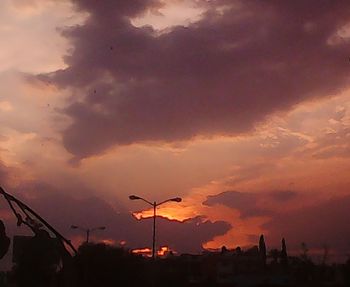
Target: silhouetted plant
(284,255)
(262,249)
(238,250)
(224,250)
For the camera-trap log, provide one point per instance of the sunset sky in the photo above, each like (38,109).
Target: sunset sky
(242,108)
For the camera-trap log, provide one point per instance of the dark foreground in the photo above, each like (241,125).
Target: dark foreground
(100,265)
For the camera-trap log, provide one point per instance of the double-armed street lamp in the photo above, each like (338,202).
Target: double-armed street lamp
(88,230)
(154,205)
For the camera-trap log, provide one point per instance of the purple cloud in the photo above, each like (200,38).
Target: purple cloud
(246,203)
(220,75)
(323,223)
(283,195)
(251,204)
(63,209)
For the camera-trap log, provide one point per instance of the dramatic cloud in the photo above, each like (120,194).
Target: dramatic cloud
(248,97)
(325,223)
(283,195)
(64,208)
(250,204)
(119,8)
(240,62)
(246,203)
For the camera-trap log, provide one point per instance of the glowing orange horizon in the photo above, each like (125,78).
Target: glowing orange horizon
(162,251)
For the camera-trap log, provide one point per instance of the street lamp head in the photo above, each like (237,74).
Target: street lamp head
(176,199)
(134,197)
(73,226)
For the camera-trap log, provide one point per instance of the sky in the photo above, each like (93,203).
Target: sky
(242,108)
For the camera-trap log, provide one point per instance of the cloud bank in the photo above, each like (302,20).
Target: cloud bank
(242,61)
(251,204)
(63,208)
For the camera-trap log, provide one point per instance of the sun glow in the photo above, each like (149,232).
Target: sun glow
(147,252)
(143,251)
(166,213)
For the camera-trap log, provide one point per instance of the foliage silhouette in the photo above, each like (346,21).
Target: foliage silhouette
(283,254)
(262,249)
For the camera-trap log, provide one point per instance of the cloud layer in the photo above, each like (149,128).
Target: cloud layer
(251,204)
(324,223)
(62,208)
(221,75)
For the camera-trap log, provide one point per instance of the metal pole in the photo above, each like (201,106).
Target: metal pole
(87,235)
(154,231)
(154,204)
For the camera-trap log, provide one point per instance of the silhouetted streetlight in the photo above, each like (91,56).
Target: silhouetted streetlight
(154,205)
(88,230)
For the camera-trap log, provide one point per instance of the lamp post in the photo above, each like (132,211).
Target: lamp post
(88,230)
(154,205)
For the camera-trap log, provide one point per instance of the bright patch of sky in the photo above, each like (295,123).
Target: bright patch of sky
(173,13)
(28,45)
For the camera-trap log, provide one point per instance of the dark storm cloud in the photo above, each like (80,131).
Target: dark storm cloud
(251,204)
(324,223)
(283,195)
(220,75)
(62,209)
(114,8)
(246,203)
(123,226)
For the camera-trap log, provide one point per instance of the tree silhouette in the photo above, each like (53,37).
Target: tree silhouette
(262,249)
(284,255)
